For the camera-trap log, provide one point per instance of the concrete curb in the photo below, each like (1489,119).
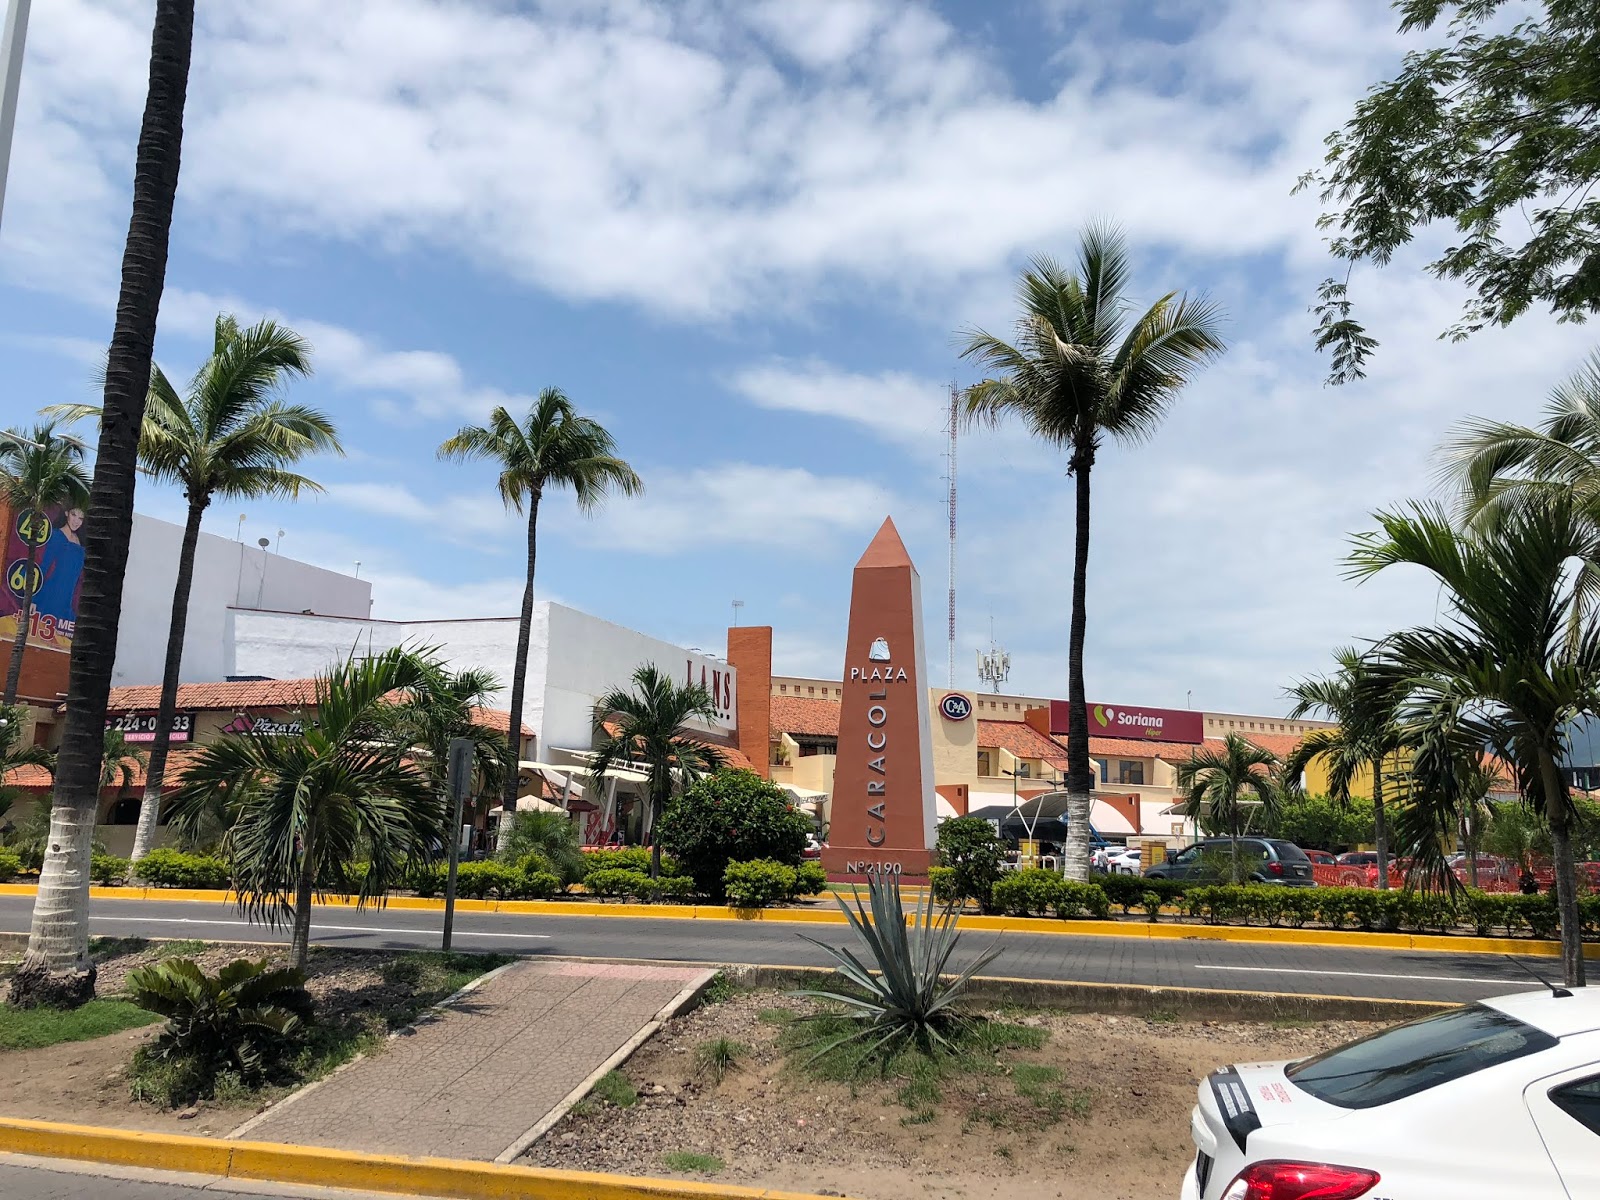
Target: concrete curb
(428,1014)
(317,1167)
(1281,936)
(679,1003)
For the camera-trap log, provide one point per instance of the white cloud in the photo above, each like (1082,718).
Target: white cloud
(896,405)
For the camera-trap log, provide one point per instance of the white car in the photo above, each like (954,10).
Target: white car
(1489,1101)
(1101,858)
(1125,862)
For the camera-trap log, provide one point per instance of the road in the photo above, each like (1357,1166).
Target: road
(1188,962)
(23,1178)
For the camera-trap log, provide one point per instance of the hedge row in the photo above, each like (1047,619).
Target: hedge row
(1034,891)
(173,868)
(1368,908)
(763,881)
(10,866)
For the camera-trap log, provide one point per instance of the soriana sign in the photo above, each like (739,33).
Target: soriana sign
(1125,721)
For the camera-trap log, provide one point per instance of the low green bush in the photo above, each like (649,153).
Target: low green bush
(1075,899)
(486,879)
(810,879)
(10,866)
(676,888)
(623,858)
(537,885)
(615,882)
(758,883)
(946,888)
(1150,903)
(428,881)
(972,850)
(165,867)
(1128,891)
(105,869)
(1030,892)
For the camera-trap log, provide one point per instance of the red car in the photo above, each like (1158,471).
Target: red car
(1320,858)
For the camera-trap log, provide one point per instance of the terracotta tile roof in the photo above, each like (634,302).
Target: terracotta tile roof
(805,715)
(735,758)
(1023,740)
(39,780)
(262,693)
(497,719)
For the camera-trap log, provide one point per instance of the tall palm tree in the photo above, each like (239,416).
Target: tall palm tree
(38,470)
(16,754)
(1218,785)
(303,806)
(120,759)
(1367,736)
(552,448)
(1509,669)
(229,437)
(648,729)
(57,968)
(1087,366)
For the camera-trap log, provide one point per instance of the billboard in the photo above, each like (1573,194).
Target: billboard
(56,535)
(1143,724)
(141,727)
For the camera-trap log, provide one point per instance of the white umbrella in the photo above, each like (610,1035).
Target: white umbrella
(535,804)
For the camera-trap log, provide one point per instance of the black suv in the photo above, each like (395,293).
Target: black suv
(1261,860)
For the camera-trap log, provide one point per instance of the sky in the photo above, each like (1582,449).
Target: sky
(745,236)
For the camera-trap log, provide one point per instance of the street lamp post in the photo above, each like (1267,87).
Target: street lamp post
(12,38)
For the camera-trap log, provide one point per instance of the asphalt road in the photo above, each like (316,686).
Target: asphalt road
(23,1178)
(1188,962)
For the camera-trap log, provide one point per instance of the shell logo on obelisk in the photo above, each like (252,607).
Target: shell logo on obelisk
(883,801)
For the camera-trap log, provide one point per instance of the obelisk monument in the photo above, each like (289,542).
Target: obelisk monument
(883,799)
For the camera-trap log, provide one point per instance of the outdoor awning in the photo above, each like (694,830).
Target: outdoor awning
(535,804)
(1108,818)
(563,779)
(944,810)
(620,774)
(803,795)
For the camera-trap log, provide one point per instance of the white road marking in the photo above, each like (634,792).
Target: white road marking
(1361,974)
(541,937)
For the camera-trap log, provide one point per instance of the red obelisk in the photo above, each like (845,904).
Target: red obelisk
(883,801)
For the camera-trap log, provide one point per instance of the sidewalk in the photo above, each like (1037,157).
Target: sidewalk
(471,1083)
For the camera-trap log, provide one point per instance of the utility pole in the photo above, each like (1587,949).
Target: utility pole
(12,38)
(955,415)
(458,777)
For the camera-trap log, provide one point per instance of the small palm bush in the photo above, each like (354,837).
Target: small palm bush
(552,836)
(907,1002)
(245,1020)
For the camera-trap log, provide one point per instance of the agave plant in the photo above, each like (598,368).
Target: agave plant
(906,999)
(242,1019)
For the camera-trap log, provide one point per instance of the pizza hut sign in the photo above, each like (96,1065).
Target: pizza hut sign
(270,726)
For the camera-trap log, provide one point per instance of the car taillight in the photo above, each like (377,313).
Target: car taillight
(1275,868)
(1300,1181)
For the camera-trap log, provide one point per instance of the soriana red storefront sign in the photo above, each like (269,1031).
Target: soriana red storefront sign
(1125,721)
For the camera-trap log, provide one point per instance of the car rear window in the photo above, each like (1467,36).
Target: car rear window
(1289,852)
(1419,1055)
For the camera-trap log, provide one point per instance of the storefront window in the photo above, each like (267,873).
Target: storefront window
(1104,765)
(1130,772)
(983,763)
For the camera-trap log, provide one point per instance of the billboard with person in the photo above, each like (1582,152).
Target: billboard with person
(56,537)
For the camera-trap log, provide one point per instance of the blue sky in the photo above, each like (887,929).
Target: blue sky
(742,235)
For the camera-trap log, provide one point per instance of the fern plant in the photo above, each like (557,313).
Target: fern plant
(905,997)
(246,1018)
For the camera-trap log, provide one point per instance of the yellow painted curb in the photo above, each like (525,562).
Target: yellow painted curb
(318,1167)
(1349,939)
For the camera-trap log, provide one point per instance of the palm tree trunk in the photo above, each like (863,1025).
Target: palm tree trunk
(24,618)
(1559,814)
(519,681)
(1080,775)
(57,968)
(155,773)
(1235,845)
(658,805)
(300,938)
(1380,824)
(1469,839)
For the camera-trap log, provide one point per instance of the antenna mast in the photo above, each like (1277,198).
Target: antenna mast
(955,400)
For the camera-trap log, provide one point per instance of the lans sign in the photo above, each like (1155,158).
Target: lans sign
(718,680)
(883,808)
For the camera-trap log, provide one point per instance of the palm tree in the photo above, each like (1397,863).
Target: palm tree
(38,471)
(1508,669)
(1366,738)
(302,807)
(1087,366)
(120,759)
(553,448)
(57,968)
(648,729)
(16,754)
(1218,785)
(225,437)
(444,706)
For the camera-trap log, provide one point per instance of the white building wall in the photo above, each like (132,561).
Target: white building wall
(226,574)
(573,659)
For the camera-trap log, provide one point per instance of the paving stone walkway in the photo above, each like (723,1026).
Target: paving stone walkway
(472,1082)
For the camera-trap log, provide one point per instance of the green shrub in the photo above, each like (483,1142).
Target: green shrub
(245,1021)
(1075,899)
(675,887)
(165,867)
(104,869)
(615,882)
(623,858)
(1537,914)
(1032,891)
(1128,891)
(1424,911)
(810,879)
(428,881)
(758,883)
(943,882)
(10,866)
(969,847)
(1299,905)
(536,885)
(551,835)
(481,880)
(729,817)
(1150,902)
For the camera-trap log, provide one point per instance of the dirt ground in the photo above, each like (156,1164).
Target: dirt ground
(1124,1136)
(85,1083)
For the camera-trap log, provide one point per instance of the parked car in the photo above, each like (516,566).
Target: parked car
(1124,862)
(1358,868)
(1373,1118)
(813,848)
(1261,860)
(1491,869)
(1100,859)
(1320,858)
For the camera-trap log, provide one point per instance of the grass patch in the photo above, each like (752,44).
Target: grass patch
(33,1028)
(182,948)
(720,990)
(102,948)
(689,1163)
(775,1016)
(719,1056)
(584,1108)
(616,1089)
(922,1116)
(1162,1016)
